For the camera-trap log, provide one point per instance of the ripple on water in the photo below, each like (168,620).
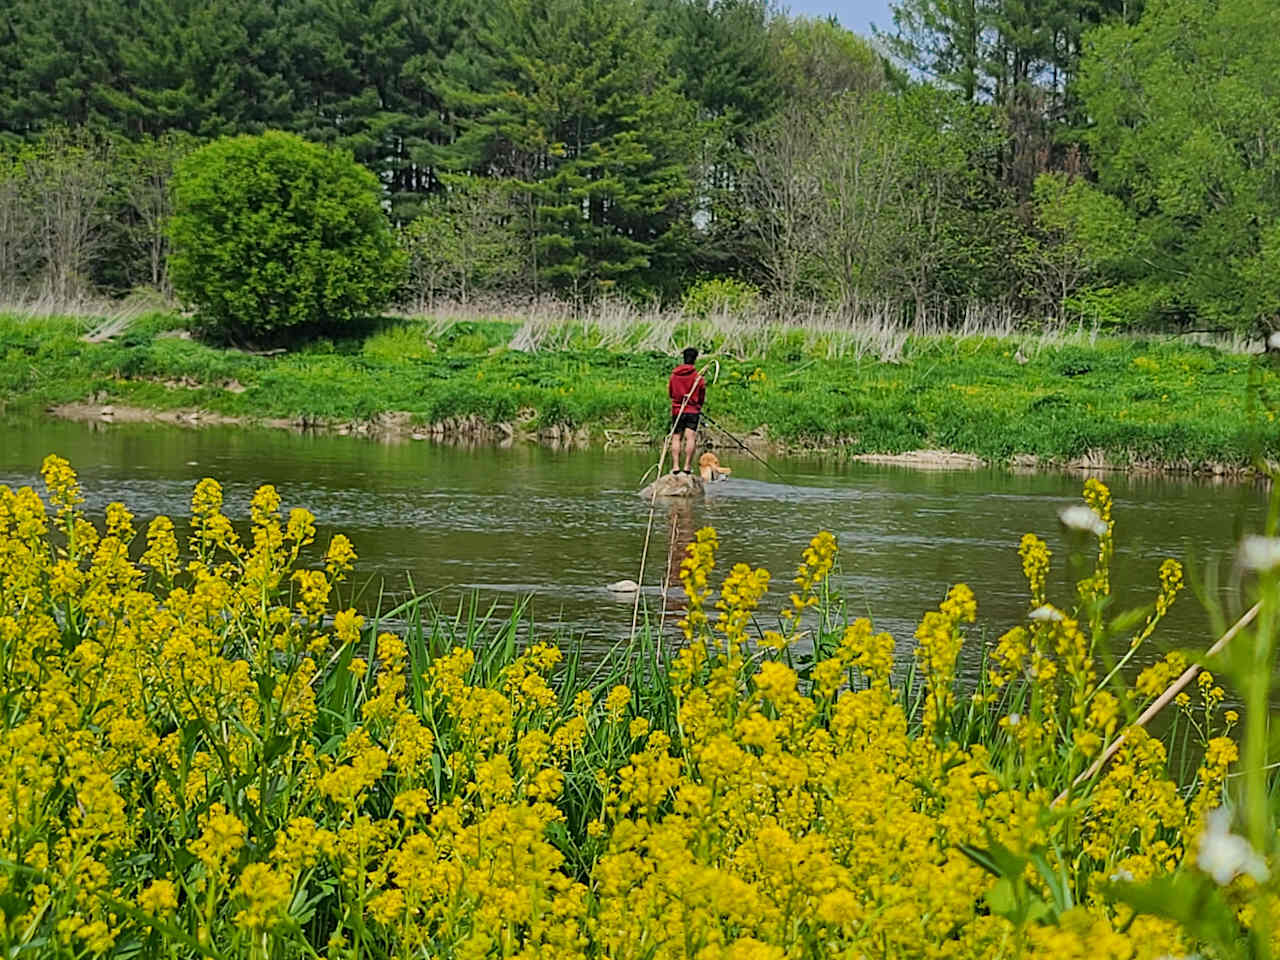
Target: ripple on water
(557,526)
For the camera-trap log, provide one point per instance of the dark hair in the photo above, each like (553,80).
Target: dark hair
(690,354)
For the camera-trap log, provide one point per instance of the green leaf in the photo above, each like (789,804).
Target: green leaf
(1059,884)
(1194,902)
(1002,899)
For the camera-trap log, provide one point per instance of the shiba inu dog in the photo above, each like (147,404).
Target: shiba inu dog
(709,467)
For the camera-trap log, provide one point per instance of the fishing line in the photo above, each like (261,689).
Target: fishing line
(653,497)
(766,463)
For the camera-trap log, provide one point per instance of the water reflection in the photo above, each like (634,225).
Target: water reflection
(558,525)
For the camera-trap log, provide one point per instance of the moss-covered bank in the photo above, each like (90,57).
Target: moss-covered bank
(1140,403)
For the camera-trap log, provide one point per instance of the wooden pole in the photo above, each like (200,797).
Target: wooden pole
(1160,702)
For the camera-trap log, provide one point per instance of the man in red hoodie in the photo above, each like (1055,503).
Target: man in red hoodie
(688,392)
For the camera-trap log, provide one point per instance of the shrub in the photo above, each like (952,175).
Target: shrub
(272,233)
(719,295)
(400,343)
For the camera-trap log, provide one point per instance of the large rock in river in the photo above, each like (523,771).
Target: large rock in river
(674,485)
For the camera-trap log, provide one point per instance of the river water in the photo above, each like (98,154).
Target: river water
(557,526)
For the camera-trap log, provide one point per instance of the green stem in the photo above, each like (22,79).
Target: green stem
(1257,696)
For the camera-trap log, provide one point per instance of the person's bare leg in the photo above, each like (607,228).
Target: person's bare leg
(690,443)
(675,451)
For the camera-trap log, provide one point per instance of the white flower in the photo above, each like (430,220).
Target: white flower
(1121,876)
(1015,719)
(1046,613)
(1225,855)
(1260,553)
(1080,517)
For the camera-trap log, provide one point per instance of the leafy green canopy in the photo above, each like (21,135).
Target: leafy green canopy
(273,232)
(1185,138)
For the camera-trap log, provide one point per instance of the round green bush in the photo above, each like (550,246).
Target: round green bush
(272,232)
(719,295)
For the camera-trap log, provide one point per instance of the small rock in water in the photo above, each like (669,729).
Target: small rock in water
(623,586)
(674,485)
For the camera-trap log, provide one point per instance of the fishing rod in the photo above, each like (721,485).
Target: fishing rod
(766,463)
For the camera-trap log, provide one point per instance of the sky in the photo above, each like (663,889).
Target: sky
(855,15)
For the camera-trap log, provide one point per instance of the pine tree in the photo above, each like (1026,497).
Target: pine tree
(722,53)
(204,67)
(58,59)
(949,41)
(365,69)
(1021,55)
(579,111)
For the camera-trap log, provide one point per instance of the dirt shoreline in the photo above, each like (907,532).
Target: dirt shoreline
(399,427)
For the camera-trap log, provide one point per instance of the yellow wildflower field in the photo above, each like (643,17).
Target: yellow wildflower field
(204,754)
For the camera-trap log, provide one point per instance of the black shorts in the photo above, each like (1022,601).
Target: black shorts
(684,421)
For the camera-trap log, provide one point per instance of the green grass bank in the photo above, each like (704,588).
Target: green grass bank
(1126,402)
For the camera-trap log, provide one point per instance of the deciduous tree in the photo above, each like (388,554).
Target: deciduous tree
(1186,141)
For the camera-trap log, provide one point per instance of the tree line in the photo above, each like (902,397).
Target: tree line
(1109,160)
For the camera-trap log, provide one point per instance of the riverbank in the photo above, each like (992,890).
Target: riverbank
(1007,401)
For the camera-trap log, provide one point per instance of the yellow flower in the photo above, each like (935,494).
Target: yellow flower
(754,806)
(265,894)
(1035,556)
(159,898)
(387,907)
(1221,752)
(60,480)
(222,836)
(162,546)
(339,558)
(617,702)
(347,625)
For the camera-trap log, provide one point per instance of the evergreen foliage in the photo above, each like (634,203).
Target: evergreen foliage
(1104,161)
(578,112)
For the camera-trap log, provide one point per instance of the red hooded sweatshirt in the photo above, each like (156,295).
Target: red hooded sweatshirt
(685,382)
